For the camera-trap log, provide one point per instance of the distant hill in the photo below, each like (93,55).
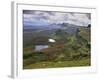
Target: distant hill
(33,33)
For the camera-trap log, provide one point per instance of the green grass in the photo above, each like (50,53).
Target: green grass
(47,64)
(69,50)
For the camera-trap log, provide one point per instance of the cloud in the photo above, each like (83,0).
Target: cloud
(79,19)
(50,17)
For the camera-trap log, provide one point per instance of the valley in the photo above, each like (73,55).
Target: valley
(71,48)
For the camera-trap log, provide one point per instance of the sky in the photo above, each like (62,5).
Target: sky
(43,18)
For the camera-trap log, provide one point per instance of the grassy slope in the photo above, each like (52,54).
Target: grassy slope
(58,48)
(73,63)
(85,33)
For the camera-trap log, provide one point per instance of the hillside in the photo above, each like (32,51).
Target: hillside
(72,43)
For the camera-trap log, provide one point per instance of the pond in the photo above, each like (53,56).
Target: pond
(41,47)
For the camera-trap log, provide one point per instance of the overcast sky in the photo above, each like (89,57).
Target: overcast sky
(38,18)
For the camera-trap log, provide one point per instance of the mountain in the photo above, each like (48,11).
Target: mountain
(64,26)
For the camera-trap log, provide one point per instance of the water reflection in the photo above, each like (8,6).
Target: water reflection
(41,47)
